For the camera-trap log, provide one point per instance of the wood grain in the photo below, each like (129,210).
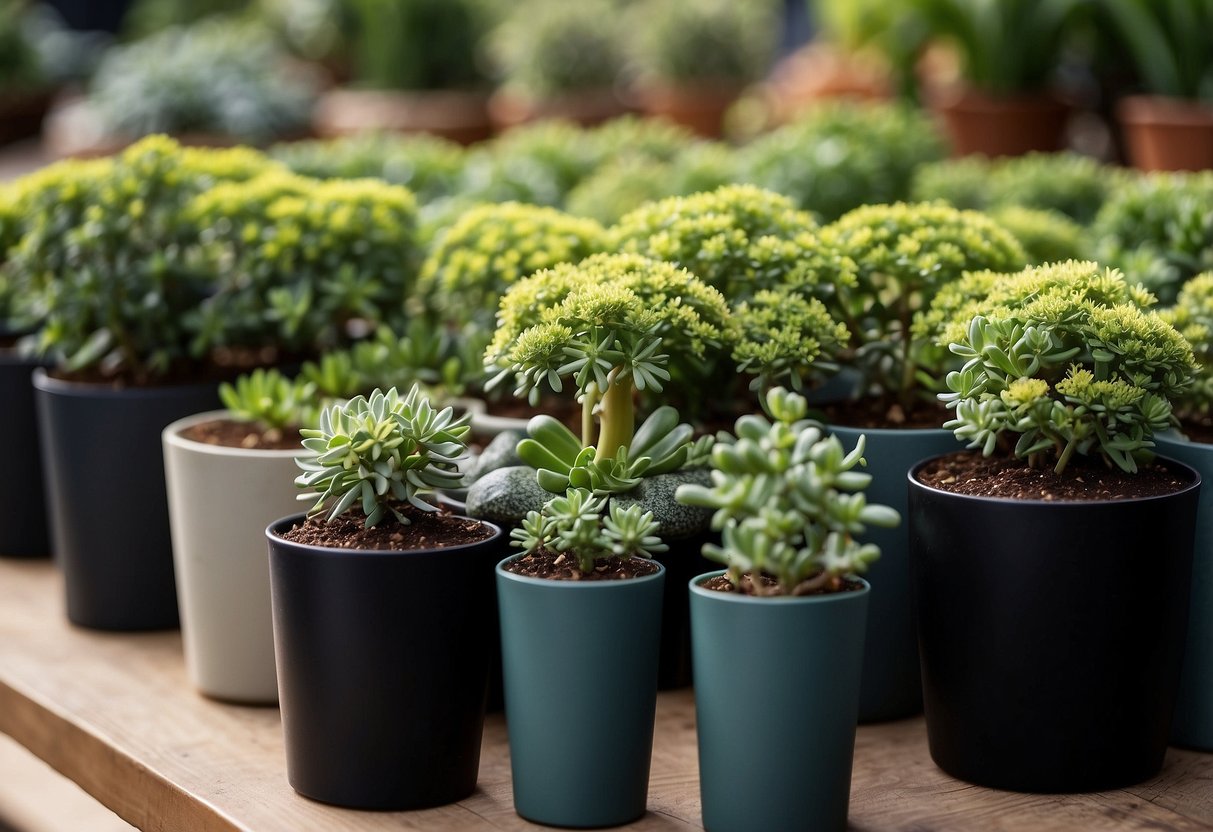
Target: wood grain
(115,714)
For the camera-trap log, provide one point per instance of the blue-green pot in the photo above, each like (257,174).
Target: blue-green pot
(1193,723)
(580,668)
(892,681)
(776,700)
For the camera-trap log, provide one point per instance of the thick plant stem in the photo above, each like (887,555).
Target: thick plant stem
(1064,459)
(617,418)
(589,401)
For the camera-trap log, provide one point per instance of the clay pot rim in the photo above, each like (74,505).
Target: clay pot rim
(1164,110)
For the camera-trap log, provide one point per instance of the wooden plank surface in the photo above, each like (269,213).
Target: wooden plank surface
(115,714)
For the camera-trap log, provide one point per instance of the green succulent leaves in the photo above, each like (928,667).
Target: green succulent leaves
(270,399)
(580,524)
(789,502)
(369,452)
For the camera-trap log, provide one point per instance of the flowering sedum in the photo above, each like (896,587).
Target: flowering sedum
(1192,315)
(1064,357)
(1046,236)
(580,524)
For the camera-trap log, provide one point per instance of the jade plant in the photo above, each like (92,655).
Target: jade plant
(373,454)
(788,503)
(902,255)
(587,529)
(1062,361)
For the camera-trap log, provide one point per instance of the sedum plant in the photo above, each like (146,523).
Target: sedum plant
(1192,315)
(371,453)
(690,42)
(839,156)
(788,503)
(581,525)
(1046,236)
(537,163)
(270,399)
(491,247)
(1064,359)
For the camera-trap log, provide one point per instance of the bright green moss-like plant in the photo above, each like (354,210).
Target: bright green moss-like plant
(786,336)
(536,163)
(704,41)
(270,399)
(491,247)
(582,526)
(788,503)
(840,156)
(1192,315)
(903,255)
(1046,236)
(1064,359)
(371,453)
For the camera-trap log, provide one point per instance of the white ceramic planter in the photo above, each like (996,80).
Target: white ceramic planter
(220,501)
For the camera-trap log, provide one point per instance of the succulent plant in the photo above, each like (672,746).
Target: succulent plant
(1046,236)
(704,41)
(840,156)
(788,503)
(583,526)
(643,138)
(1064,358)
(270,399)
(372,453)
(536,163)
(1192,315)
(786,336)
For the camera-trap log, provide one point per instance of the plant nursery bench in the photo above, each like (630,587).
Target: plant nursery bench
(114,713)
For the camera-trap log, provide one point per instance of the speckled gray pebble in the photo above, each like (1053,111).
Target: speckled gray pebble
(505,495)
(656,494)
(499,453)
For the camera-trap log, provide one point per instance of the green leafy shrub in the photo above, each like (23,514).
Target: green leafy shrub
(428,166)
(536,163)
(788,503)
(582,525)
(703,41)
(20,64)
(840,156)
(964,182)
(786,336)
(270,399)
(491,247)
(1192,315)
(1046,236)
(638,137)
(216,76)
(1063,358)
(1158,229)
(369,452)
(1168,43)
(902,255)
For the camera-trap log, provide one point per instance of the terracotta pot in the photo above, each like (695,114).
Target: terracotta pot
(586,107)
(459,115)
(701,107)
(977,122)
(1167,133)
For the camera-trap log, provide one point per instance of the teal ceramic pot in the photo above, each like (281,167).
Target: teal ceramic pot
(892,682)
(776,700)
(563,648)
(1193,723)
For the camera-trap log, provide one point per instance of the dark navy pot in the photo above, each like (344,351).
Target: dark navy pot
(24,532)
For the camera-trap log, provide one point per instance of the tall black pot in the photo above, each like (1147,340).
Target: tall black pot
(382,668)
(683,561)
(1051,633)
(24,533)
(104,470)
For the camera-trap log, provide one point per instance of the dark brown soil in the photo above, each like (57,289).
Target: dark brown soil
(563,567)
(770,586)
(1084,479)
(882,413)
(232,434)
(222,365)
(1201,431)
(427,530)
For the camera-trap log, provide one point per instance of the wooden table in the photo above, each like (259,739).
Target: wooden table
(116,714)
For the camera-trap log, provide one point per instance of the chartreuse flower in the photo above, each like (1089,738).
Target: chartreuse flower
(370,453)
(789,502)
(1065,358)
(582,525)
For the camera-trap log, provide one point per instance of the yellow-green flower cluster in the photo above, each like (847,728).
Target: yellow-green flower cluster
(1192,315)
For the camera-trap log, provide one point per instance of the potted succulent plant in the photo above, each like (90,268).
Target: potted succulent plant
(229,474)
(1048,665)
(416,69)
(534,163)
(694,57)
(558,60)
(783,627)
(381,603)
(116,287)
(1170,126)
(1192,315)
(584,569)
(892,260)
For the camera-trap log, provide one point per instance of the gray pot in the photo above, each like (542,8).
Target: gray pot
(580,667)
(892,681)
(776,700)
(1193,723)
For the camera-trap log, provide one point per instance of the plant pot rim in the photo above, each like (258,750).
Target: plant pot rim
(43,380)
(172,436)
(271,533)
(584,586)
(970,98)
(1178,437)
(1191,473)
(1166,110)
(831,426)
(784,600)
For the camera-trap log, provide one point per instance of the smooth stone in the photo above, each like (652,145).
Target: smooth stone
(501,452)
(504,496)
(656,494)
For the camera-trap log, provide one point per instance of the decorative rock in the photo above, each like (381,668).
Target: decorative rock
(499,453)
(505,495)
(656,494)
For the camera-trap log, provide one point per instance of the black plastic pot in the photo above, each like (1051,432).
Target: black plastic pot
(683,561)
(104,469)
(382,669)
(1051,633)
(24,533)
